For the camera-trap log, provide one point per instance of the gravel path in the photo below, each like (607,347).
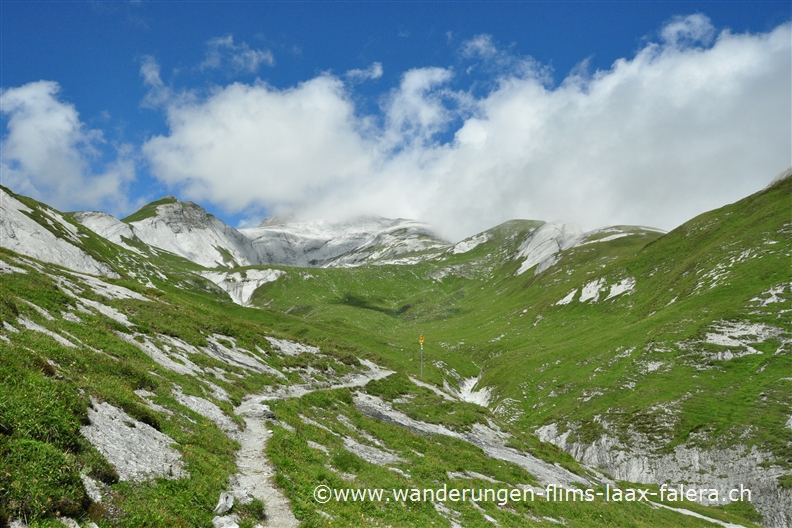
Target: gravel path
(255,477)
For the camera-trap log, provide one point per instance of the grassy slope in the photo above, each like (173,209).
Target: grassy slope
(549,358)
(147,211)
(480,316)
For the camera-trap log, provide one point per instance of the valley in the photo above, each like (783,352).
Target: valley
(152,363)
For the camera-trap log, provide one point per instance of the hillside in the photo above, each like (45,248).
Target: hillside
(155,362)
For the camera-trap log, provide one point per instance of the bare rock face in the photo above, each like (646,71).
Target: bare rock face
(136,450)
(490,441)
(340,244)
(108,227)
(721,469)
(241,285)
(542,246)
(188,230)
(56,242)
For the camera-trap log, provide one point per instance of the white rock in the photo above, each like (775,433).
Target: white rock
(186,229)
(136,450)
(490,442)
(107,227)
(591,290)
(225,503)
(91,488)
(208,410)
(542,246)
(22,234)
(30,325)
(227,521)
(466,393)
(341,244)
(470,243)
(5,267)
(371,454)
(292,348)
(623,286)
(241,285)
(568,298)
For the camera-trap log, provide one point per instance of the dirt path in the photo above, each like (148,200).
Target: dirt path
(255,472)
(255,477)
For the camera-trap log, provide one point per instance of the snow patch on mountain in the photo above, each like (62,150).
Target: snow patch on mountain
(623,286)
(241,285)
(740,335)
(466,393)
(591,290)
(568,298)
(540,249)
(340,244)
(773,295)
(20,233)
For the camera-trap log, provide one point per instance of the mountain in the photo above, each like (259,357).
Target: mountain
(159,370)
(182,228)
(187,230)
(343,244)
(38,231)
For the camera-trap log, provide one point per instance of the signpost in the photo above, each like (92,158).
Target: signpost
(421,340)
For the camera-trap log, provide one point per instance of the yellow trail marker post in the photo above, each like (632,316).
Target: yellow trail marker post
(421,340)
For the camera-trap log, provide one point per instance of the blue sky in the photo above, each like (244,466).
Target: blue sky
(463,114)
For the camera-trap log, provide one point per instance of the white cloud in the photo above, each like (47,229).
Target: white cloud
(158,93)
(689,30)
(48,152)
(372,72)
(240,57)
(658,138)
(480,46)
(254,145)
(415,111)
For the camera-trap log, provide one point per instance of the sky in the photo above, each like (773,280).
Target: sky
(460,114)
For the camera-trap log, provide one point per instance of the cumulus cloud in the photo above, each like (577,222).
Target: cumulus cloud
(48,152)
(252,144)
(686,125)
(239,57)
(416,111)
